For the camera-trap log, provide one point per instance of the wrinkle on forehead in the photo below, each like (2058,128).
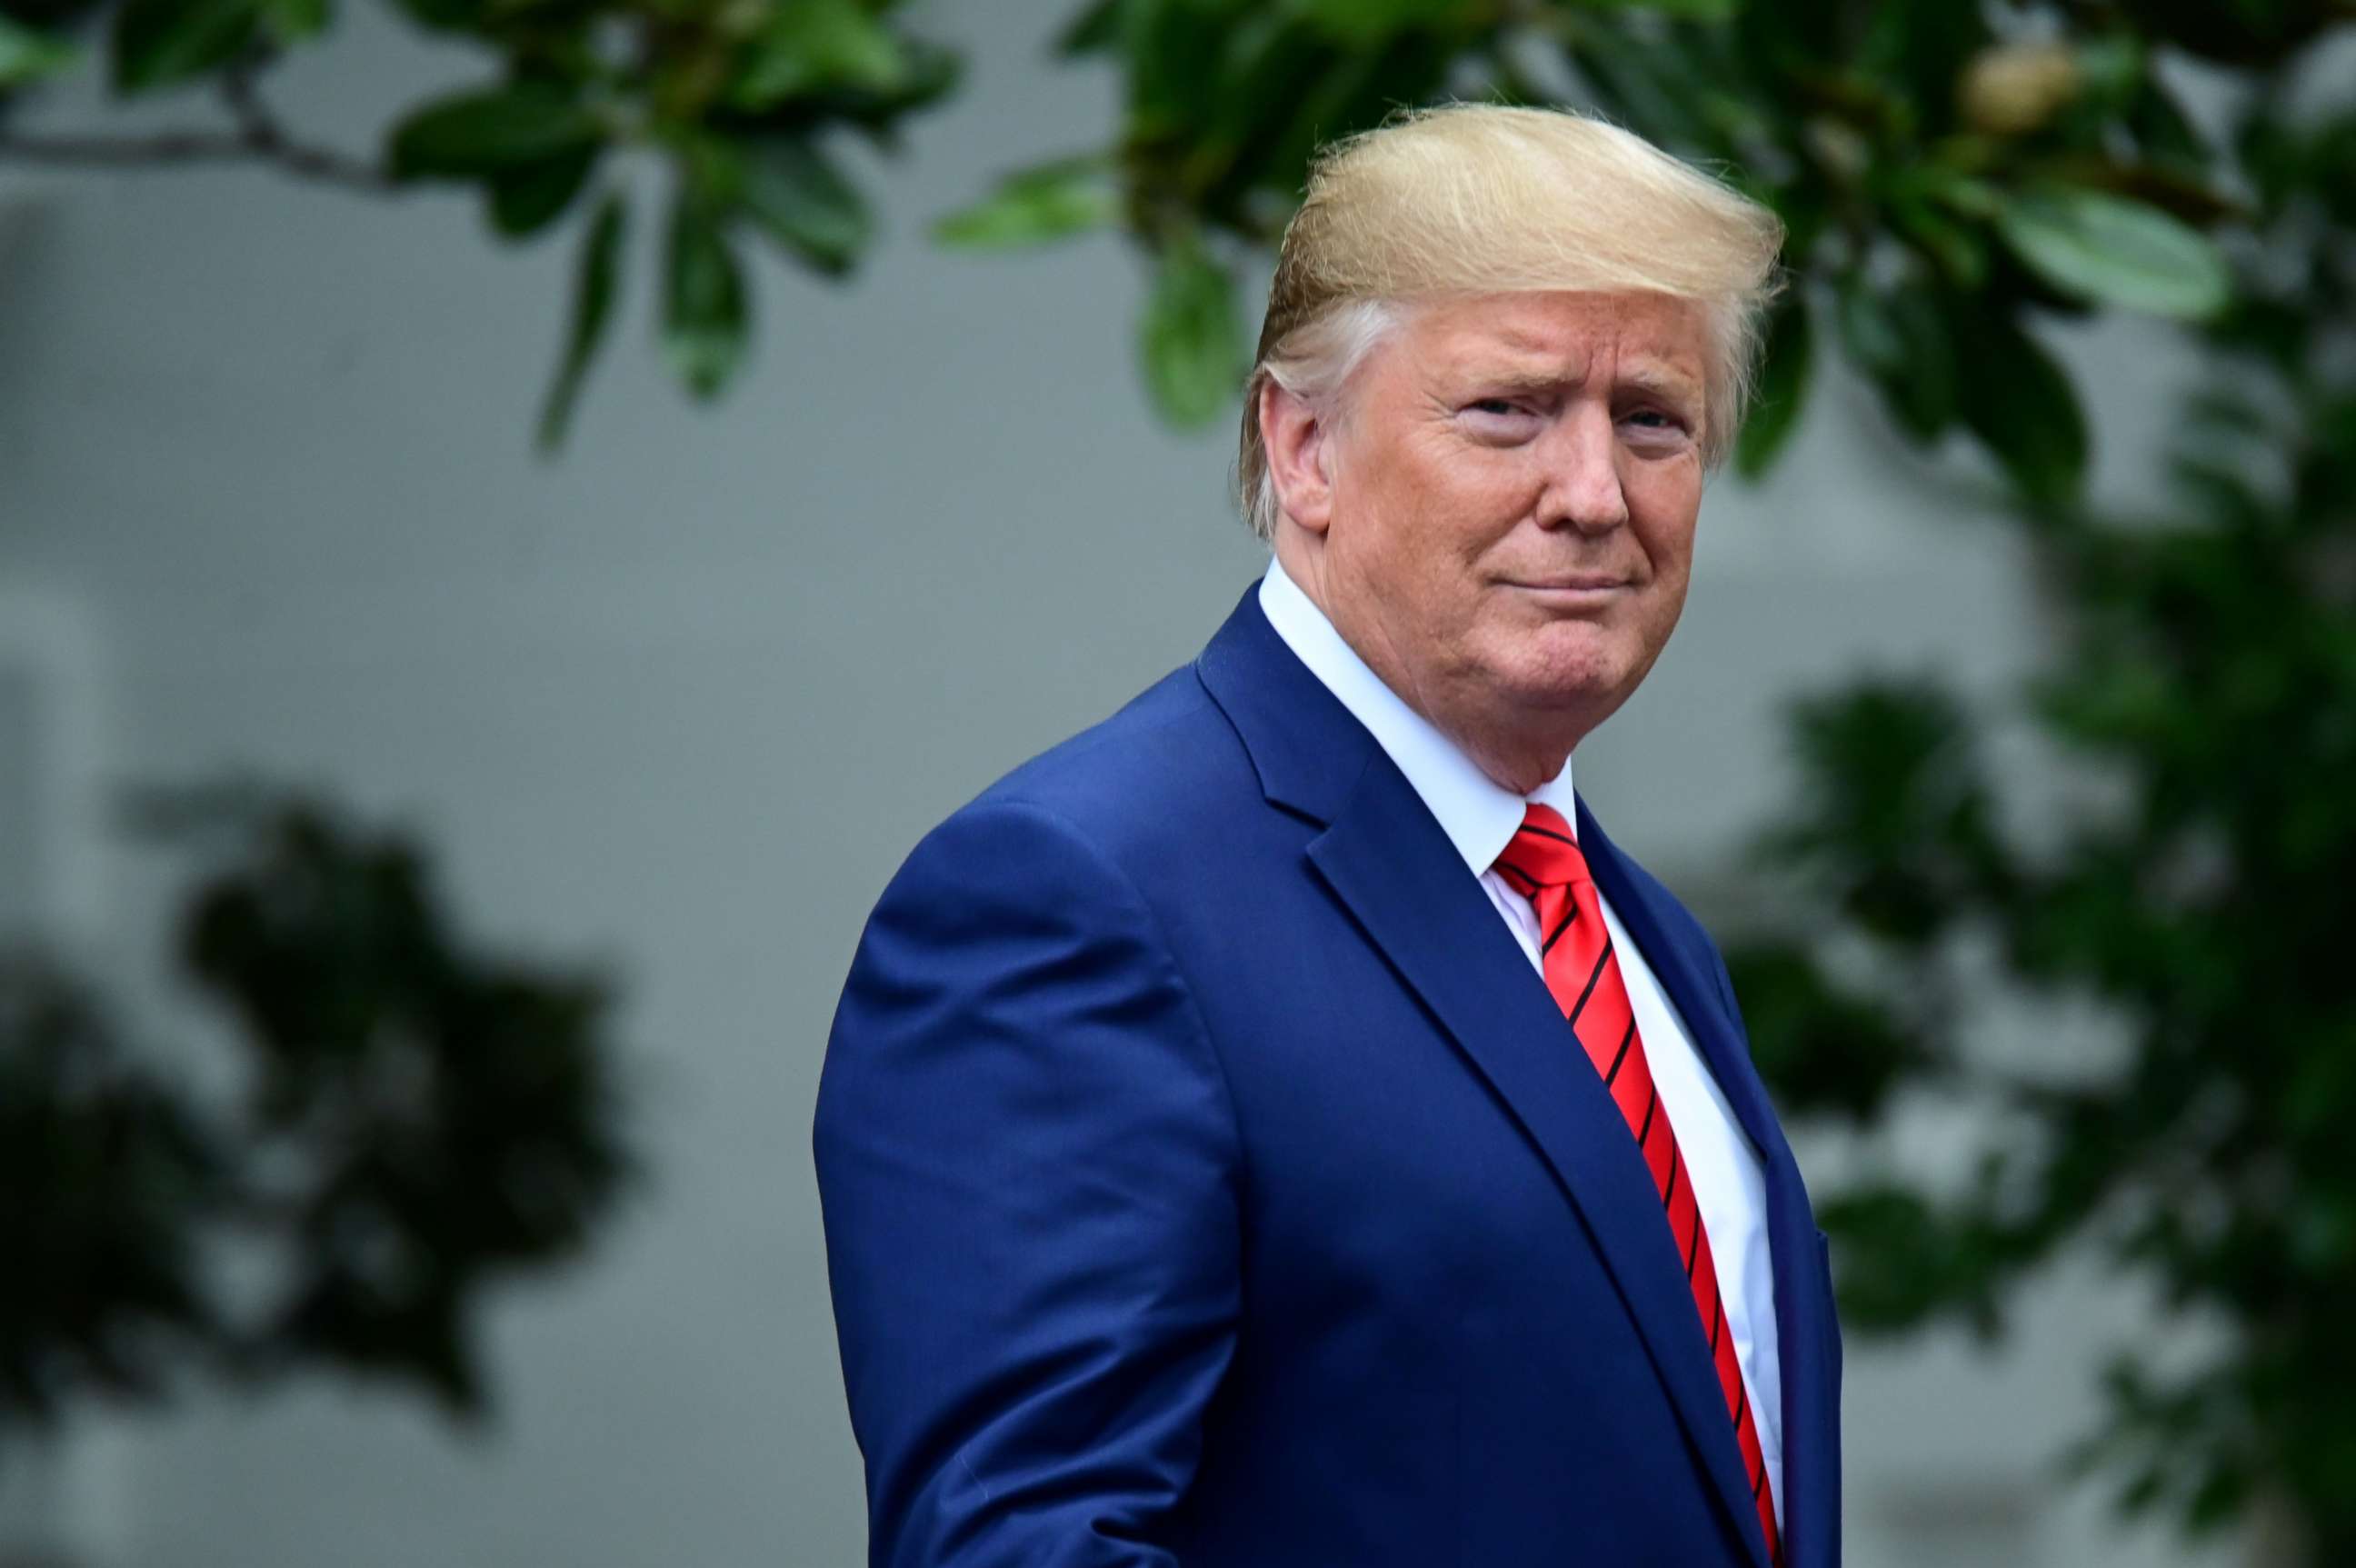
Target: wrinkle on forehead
(1654,343)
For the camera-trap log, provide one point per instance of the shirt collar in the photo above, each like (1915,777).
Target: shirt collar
(1478,815)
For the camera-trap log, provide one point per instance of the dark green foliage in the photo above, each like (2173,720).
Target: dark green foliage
(497,132)
(528,196)
(414,1123)
(28,54)
(105,1177)
(1896,830)
(1835,1050)
(158,43)
(2199,894)
(1226,101)
(742,97)
(1782,389)
(1194,337)
(705,310)
(788,186)
(1942,187)
(1052,200)
(598,270)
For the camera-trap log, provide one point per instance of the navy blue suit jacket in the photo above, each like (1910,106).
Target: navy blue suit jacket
(1210,1182)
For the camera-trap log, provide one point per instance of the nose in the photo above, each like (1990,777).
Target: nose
(1581,455)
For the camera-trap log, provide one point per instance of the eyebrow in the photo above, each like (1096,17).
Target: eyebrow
(1660,383)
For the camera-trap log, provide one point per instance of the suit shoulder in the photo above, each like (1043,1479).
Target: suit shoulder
(1167,761)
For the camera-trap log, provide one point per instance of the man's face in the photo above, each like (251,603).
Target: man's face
(1515,485)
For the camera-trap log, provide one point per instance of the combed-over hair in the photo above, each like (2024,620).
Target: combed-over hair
(1483,199)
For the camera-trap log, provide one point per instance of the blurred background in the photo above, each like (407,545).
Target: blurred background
(515,515)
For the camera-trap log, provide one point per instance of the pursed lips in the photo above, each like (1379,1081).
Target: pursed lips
(1568,582)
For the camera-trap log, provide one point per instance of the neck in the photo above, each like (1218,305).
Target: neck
(1516,749)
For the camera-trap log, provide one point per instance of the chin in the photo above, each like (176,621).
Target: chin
(1576,688)
(1564,666)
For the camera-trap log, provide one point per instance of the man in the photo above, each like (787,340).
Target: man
(1277,1129)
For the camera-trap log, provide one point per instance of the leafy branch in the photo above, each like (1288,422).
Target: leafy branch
(1949,178)
(740,100)
(259,136)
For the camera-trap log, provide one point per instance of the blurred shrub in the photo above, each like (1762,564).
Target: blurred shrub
(412,1121)
(2199,894)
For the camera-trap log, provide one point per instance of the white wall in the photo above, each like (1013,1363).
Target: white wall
(682,702)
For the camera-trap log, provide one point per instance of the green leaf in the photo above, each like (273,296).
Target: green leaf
(1373,21)
(1172,49)
(2114,250)
(445,15)
(795,192)
(1900,338)
(28,56)
(1095,30)
(705,315)
(292,21)
(527,199)
(1914,54)
(2020,402)
(472,135)
(816,45)
(1919,206)
(1645,85)
(1867,328)
(599,267)
(1825,1049)
(2165,131)
(2112,69)
(159,42)
(1783,387)
(1681,10)
(1192,341)
(1033,206)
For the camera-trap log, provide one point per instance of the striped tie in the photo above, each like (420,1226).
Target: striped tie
(1544,865)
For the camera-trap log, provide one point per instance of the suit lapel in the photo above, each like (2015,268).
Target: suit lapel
(1396,872)
(1388,862)
(1803,1310)
(1692,987)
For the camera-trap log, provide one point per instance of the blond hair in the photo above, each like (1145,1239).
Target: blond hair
(1483,199)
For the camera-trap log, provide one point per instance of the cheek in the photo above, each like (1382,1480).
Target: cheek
(1662,510)
(1481,496)
(1447,503)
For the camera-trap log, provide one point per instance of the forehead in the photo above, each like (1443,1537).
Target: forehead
(1562,335)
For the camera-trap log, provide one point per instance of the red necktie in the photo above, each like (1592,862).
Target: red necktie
(1544,865)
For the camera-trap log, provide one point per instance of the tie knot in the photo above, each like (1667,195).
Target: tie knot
(1543,853)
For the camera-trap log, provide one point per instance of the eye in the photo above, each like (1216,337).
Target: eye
(1501,421)
(1658,428)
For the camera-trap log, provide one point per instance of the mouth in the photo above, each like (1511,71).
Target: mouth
(1569,589)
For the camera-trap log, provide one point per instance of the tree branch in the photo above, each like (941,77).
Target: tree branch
(258,137)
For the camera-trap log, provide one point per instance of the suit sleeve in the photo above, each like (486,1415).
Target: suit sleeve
(1027,1159)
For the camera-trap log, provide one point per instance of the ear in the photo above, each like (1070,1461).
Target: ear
(1300,456)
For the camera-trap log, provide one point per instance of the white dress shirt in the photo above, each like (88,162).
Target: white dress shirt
(1479,818)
